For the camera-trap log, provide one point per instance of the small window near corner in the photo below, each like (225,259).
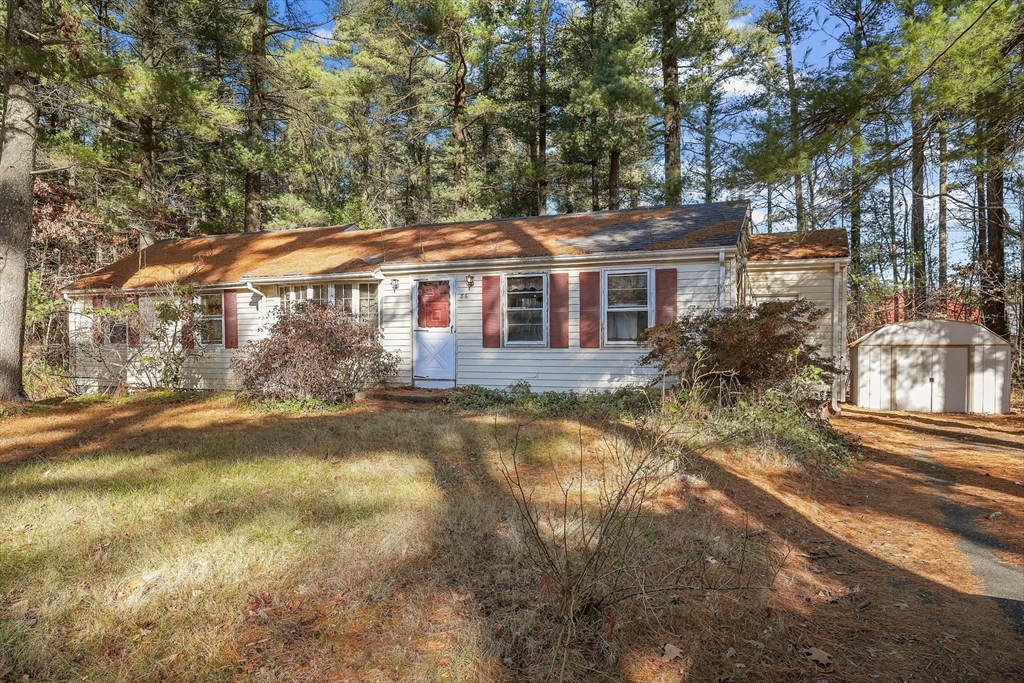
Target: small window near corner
(627,306)
(210,319)
(524,309)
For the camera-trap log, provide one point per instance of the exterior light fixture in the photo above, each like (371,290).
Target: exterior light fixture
(469,281)
(394,283)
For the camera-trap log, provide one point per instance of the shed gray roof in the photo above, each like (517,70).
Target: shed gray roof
(931,333)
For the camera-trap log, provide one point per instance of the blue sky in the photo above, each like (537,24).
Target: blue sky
(813,52)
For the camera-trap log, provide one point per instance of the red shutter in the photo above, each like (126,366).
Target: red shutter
(491,291)
(590,310)
(230,318)
(558,304)
(97,322)
(665,293)
(133,320)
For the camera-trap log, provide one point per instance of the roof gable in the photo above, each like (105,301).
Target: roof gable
(337,250)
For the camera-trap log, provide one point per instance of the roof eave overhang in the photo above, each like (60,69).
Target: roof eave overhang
(394,269)
(581,260)
(793,263)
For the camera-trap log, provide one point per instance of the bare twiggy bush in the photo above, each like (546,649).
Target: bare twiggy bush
(601,541)
(314,350)
(138,342)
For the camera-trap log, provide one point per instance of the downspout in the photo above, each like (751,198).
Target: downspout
(836,358)
(254,290)
(721,280)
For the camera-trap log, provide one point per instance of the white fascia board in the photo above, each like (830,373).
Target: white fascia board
(581,261)
(365,276)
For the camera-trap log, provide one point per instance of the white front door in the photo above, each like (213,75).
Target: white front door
(433,337)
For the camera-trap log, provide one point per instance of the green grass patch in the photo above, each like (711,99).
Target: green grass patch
(519,397)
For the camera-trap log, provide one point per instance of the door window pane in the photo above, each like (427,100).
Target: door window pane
(434,304)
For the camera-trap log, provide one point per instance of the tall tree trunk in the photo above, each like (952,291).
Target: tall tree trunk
(460,132)
(670,103)
(147,45)
(708,130)
(917,235)
(981,215)
(856,265)
(17,161)
(542,111)
(770,193)
(614,177)
(255,113)
(794,114)
(595,187)
(994,285)
(943,188)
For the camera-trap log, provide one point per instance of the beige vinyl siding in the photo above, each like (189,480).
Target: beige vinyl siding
(813,281)
(574,368)
(698,286)
(396,325)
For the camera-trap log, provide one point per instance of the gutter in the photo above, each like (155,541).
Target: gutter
(581,260)
(248,286)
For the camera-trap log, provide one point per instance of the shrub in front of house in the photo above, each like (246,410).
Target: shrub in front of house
(314,351)
(736,351)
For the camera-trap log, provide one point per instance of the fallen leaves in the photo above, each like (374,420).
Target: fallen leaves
(670,652)
(817,656)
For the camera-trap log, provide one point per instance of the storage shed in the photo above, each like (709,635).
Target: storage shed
(931,366)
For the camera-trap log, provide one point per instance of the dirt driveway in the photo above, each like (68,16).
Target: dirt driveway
(962,475)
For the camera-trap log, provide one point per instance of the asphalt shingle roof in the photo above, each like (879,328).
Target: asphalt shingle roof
(338,250)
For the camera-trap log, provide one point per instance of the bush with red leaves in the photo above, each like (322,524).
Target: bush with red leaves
(747,348)
(314,351)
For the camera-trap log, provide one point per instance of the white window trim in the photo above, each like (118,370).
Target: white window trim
(199,318)
(543,343)
(604,302)
(356,302)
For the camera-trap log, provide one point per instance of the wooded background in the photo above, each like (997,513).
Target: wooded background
(899,121)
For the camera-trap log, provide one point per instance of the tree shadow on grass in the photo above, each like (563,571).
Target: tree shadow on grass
(459,599)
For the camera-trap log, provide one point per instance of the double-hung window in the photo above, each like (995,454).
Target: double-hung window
(358,299)
(210,319)
(627,305)
(525,304)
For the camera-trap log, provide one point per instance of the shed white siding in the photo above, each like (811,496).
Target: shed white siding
(932,366)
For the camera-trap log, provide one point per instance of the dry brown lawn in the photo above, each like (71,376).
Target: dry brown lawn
(188,539)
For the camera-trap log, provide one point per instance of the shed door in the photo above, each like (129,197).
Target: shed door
(433,344)
(931,379)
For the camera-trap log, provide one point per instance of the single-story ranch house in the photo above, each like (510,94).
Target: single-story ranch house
(557,301)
